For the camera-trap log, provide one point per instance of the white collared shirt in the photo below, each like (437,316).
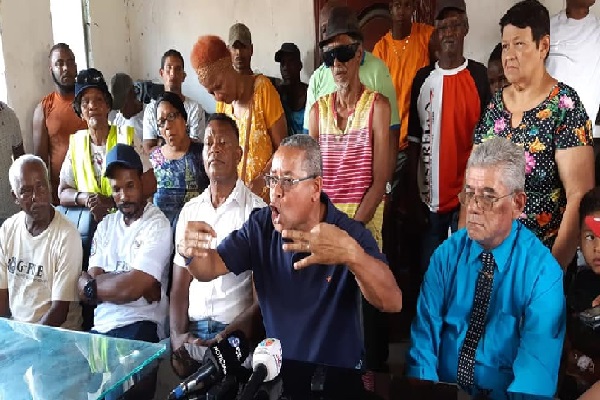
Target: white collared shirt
(224,298)
(574,58)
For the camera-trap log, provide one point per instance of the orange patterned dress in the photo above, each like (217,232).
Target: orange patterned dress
(266,110)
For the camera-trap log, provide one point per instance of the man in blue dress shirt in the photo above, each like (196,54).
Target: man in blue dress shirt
(309,261)
(491,312)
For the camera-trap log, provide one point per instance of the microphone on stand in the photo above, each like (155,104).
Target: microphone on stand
(266,365)
(222,359)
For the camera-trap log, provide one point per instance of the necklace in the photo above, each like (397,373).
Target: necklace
(404,44)
(350,114)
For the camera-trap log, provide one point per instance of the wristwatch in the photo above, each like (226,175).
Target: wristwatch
(90,290)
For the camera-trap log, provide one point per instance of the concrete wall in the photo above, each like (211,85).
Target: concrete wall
(110,49)
(26,40)
(155,28)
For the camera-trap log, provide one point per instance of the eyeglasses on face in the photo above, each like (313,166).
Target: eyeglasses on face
(161,122)
(485,202)
(343,53)
(284,182)
(27,192)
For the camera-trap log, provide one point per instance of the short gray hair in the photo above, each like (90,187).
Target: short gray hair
(312,164)
(501,153)
(15,170)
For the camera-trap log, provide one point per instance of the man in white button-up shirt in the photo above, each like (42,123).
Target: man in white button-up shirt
(202,311)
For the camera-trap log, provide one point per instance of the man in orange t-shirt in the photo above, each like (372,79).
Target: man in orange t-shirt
(54,120)
(405,50)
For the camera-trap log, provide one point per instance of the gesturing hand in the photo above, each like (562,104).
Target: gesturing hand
(197,239)
(326,243)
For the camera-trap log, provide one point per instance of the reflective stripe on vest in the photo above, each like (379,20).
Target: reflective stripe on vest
(81,158)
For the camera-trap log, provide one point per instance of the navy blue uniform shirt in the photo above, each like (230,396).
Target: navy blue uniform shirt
(313,311)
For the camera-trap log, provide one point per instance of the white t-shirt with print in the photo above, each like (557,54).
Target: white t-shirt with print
(225,297)
(146,246)
(40,269)
(196,120)
(574,58)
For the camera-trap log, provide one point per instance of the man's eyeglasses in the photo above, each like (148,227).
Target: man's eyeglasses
(343,53)
(485,202)
(285,182)
(161,122)
(26,193)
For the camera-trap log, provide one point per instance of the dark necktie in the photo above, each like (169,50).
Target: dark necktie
(483,290)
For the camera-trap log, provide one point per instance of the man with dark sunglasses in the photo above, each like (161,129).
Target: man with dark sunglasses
(373,73)
(352,128)
(447,99)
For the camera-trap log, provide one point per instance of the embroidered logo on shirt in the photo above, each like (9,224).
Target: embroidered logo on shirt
(328,279)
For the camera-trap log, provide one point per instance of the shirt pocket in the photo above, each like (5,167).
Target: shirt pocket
(501,341)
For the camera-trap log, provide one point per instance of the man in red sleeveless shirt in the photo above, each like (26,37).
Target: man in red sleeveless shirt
(54,119)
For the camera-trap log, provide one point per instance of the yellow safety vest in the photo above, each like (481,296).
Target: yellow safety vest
(81,158)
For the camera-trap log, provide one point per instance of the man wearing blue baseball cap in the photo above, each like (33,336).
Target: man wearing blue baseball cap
(127,275)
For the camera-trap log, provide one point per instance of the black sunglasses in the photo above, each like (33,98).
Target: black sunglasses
(343,53)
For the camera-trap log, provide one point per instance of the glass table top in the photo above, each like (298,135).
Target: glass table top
(39,362)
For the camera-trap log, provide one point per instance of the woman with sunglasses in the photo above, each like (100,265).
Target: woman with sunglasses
(352,127)
(82,180)
(177,164)
(251,100)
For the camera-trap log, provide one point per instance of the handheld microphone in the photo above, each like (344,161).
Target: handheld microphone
(266,364)
(272,390)
(221,359)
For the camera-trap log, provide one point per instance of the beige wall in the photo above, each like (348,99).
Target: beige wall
(26,41)
(110,50)
(155,28)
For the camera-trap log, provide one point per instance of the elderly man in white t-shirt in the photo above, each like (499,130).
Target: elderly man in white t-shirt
(574,56)
(127,275)
(201,312)
(40,253)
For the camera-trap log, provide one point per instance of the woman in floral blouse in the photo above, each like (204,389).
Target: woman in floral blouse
(547,118)
(177,164)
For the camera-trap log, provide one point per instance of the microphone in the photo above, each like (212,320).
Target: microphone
(221,359)
(266,364)
(272,390)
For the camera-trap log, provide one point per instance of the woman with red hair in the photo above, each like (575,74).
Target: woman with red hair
(251,100)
